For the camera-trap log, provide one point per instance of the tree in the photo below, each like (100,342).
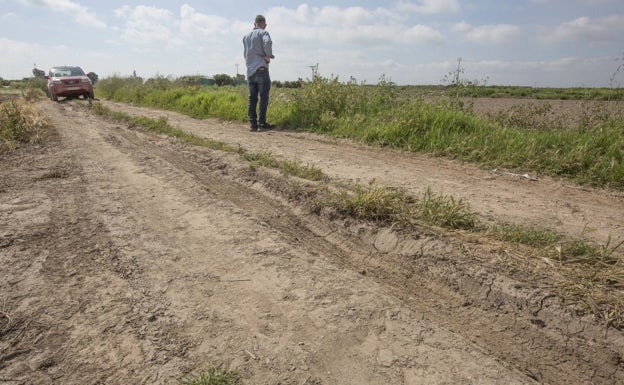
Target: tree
(223,80)
(93,77)
(38,73)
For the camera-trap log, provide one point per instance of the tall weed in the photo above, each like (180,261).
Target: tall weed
(526,138)
(20,122)
(326,104)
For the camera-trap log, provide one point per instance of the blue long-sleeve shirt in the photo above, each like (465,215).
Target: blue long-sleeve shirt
(258,45)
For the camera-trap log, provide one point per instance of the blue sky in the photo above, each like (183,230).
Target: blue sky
(546,43)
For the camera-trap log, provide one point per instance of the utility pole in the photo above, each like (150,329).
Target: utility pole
(314,70)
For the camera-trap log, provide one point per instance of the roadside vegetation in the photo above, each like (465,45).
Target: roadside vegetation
(20,121)
(525,138)
(443,124)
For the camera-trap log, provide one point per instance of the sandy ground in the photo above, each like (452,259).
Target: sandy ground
(131,258)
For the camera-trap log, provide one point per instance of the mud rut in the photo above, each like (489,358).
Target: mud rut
(131,258)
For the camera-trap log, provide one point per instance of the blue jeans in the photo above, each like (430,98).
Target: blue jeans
(259,87)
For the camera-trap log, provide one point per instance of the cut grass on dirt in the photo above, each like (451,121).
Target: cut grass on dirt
(589,276)
(214,376)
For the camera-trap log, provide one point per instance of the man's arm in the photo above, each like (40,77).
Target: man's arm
(268,47)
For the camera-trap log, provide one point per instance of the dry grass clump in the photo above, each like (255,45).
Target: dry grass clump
(390,205)
(595,280)
(597,290)
(20,122)
(588,276)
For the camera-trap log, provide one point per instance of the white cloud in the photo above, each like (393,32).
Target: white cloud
(12,49)
(531,65)
(329,26)
(377,36)
(488,34)
(146,25)
(81,14)
(19,57)
(461,27)
(349,16)
(561,64)
(429,6)
(610,28)
(199,25)
(324,16)
(595,2)
(421,34)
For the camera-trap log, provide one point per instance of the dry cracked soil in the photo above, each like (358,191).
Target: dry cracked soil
(128,257)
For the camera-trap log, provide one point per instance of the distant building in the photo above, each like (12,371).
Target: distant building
(206,81)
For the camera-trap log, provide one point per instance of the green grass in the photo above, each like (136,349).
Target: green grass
(591,157)
(525,139)
(530,236)
(214,376)
(307,171)
(444,211)
(195,101)
(476,89)
(374,203)
(263,158)
(392,206)
(161,126)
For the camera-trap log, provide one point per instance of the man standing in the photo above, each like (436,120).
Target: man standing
(258,54)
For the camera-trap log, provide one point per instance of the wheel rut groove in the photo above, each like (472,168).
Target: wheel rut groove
(512,337)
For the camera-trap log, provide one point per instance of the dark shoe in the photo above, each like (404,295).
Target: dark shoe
(266,126)
(253,128)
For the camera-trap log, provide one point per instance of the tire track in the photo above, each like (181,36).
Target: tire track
(514,338)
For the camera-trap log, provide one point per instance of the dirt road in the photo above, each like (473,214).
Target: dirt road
(131,258)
